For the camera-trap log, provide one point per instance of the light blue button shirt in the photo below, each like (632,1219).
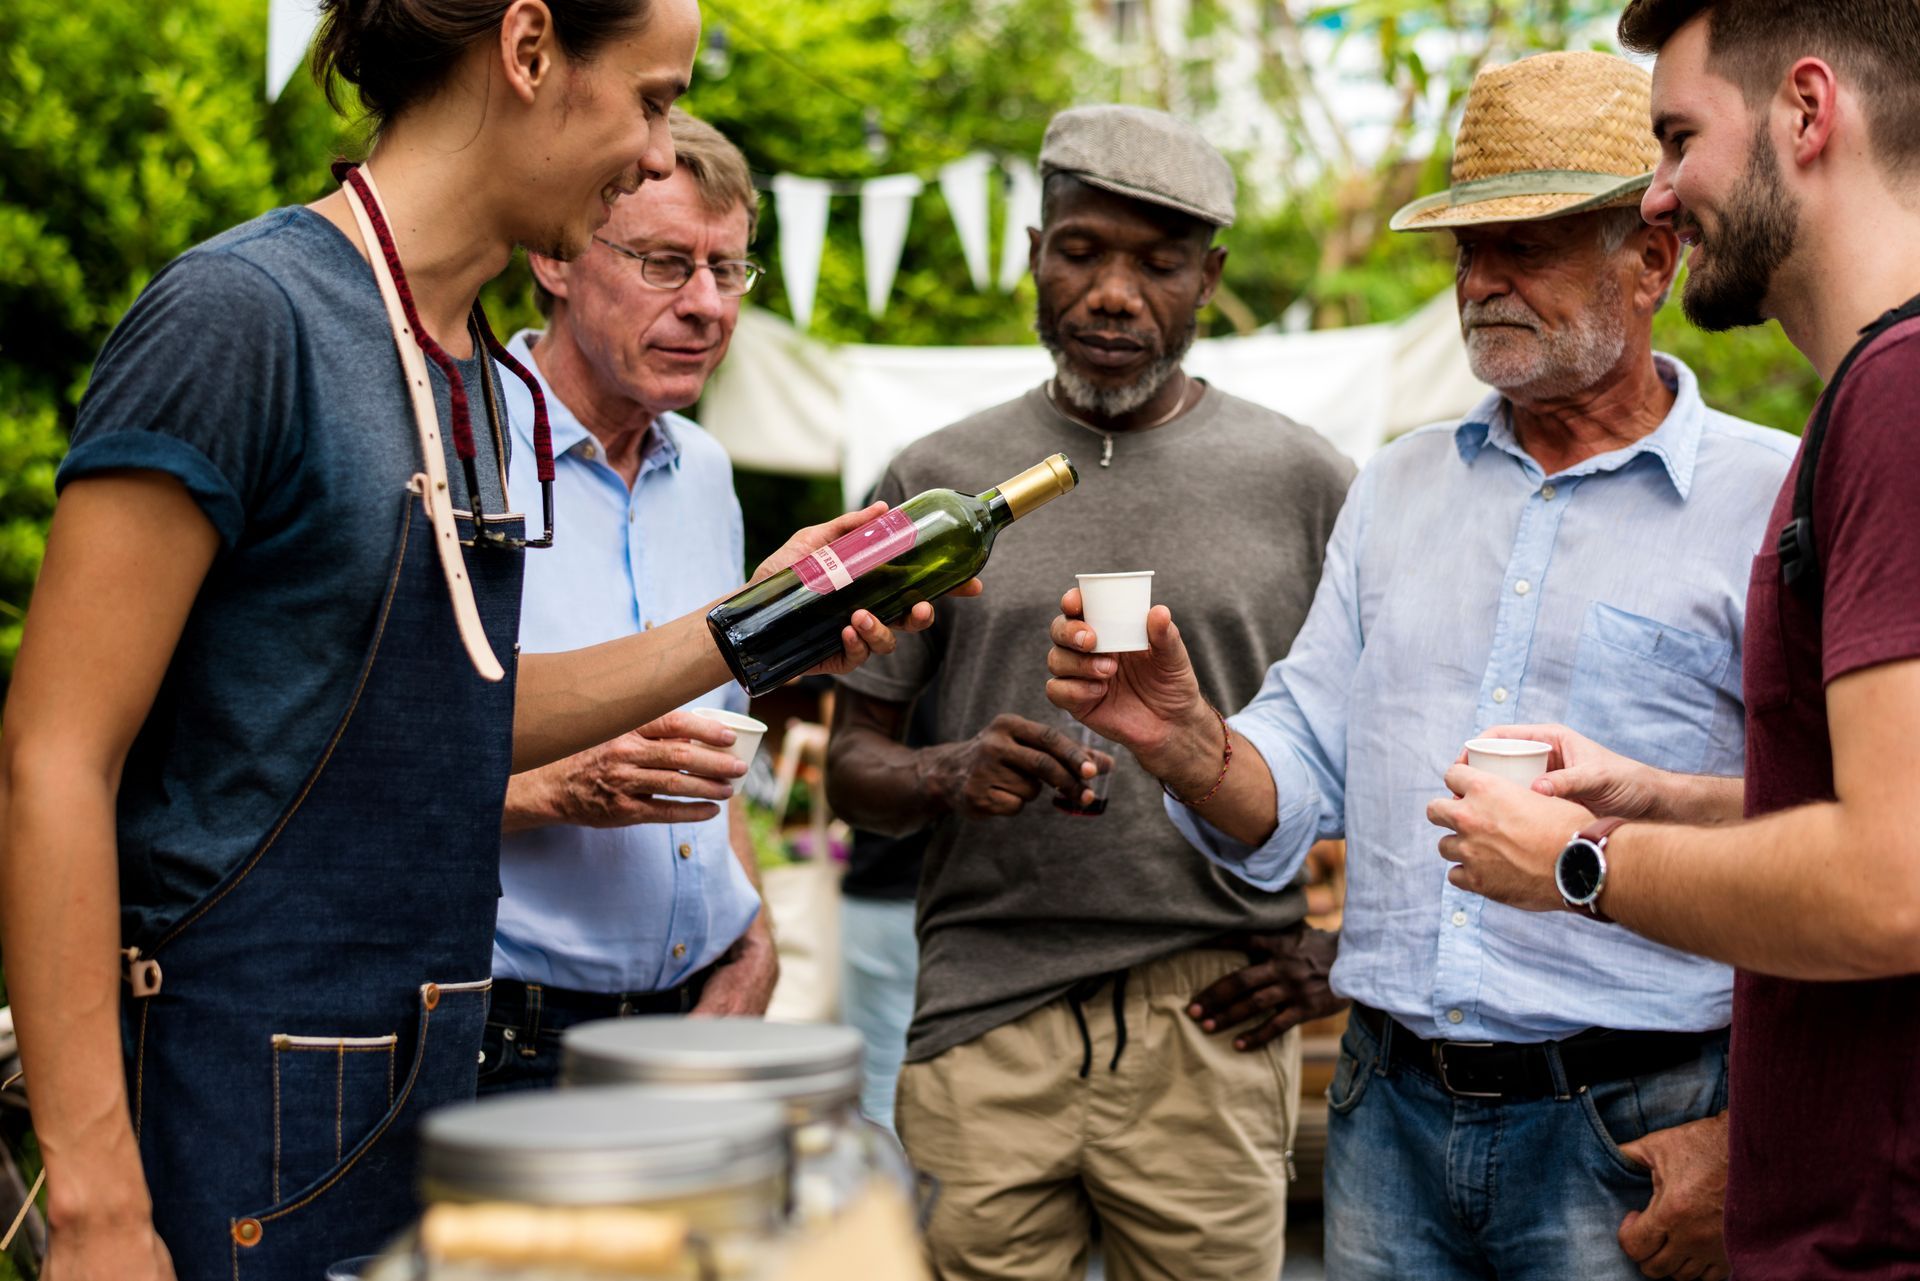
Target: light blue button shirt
(1464,588)
(621,909)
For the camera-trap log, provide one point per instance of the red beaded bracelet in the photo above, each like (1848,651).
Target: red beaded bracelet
(1226,761)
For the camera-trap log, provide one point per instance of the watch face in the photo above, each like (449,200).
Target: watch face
(1578,872)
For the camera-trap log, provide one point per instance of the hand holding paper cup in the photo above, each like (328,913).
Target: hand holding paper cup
(1115,606)
(747,732)
(1520,760)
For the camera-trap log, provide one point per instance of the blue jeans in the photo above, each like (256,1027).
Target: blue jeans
(1421,1184)
(881,959)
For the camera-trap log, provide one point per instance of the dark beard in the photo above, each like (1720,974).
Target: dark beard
(1756,236)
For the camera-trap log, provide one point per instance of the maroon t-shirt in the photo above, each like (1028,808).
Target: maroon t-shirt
(1825,1077)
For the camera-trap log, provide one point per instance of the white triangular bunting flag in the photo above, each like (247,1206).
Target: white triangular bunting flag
(801,206)
(1023,211)
(290,28)
(886,206)
(964,184)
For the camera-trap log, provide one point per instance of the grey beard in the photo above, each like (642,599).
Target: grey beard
(1113,402)
(1555,363)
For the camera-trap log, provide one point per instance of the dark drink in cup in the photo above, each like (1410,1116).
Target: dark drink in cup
(1075,803)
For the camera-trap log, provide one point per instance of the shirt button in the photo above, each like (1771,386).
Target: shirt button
(1522,587)
(1500,695)
(588,451)
(1459,918)
(686,851)
(679,951)
(647,626)
(1547,492)
(1455,1016)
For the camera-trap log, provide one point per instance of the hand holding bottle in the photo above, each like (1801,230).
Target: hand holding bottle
(864,635)
(871,565)
(1148,700)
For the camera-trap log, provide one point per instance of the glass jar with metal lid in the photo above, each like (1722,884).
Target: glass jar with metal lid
(811,1070)
(612,1183)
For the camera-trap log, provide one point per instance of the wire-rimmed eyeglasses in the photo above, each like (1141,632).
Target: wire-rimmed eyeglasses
(666,270)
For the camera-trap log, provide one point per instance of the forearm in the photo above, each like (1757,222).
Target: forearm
(1812,893)
(569,702)
(1698,800)
(59,918)
(881,785)
(530,801)
(741,841)
(1246,807)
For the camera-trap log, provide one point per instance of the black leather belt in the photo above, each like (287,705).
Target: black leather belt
(1510,1070)
(515,1002)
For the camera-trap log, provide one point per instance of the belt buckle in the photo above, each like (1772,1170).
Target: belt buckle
(1440,1049)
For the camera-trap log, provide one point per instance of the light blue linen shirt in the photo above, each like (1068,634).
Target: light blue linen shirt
(1464,588)
(641,908)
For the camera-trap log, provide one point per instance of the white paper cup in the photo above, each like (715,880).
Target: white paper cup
(1519,759)
(1115,606)
(747,731)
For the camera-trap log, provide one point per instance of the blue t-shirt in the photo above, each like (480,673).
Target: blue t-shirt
(258,369)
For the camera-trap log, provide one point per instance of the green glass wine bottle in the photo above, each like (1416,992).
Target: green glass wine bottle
(927,546)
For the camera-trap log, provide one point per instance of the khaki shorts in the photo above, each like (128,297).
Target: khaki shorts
(1181,1150)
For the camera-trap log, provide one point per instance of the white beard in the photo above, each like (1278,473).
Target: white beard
(1545,364)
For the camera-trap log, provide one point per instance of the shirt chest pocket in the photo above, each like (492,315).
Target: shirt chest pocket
(1646,689)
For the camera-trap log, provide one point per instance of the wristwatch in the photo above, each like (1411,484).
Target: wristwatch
(1581,870)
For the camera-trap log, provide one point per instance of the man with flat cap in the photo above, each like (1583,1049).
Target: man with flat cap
(1516,1096)
(1054,1078)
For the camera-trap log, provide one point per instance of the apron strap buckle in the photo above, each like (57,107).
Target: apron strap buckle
(142,974)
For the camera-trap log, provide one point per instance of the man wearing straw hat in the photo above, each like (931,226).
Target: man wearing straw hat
(1515,1096)
(1790,161)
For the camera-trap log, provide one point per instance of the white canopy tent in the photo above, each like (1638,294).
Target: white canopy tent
(784,402)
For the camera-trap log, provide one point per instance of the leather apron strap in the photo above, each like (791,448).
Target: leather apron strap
(433,485)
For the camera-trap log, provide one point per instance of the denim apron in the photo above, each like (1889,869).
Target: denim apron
(333,986)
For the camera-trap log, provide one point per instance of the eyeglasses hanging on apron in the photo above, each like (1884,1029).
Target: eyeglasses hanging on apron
(416,347)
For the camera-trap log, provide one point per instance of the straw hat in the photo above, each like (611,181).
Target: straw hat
(1550,135)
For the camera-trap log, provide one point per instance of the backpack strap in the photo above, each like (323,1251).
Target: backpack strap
(1799,557)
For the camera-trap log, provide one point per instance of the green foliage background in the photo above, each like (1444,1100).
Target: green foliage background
(128,132)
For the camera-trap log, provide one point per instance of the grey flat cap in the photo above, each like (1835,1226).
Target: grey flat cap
(1144,154)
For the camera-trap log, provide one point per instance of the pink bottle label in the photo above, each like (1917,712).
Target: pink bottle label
(851,555)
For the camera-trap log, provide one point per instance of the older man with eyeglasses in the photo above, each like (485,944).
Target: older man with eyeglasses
(626,888)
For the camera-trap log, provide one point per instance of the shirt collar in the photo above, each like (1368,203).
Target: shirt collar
(1675,442)
(660,449)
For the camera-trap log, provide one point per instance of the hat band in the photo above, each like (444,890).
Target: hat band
(1542,182)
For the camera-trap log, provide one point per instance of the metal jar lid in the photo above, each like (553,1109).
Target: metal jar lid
(800,1065)
(597,1147)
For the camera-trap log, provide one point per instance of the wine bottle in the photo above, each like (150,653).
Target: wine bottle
(927,546)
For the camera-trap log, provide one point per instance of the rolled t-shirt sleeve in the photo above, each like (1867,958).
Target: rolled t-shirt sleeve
(1868,536)
(1298,724)
(898,677)
(197,382)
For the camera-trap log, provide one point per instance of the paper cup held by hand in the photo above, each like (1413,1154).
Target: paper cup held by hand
(1519,759)
(1115,606)
(747,732)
